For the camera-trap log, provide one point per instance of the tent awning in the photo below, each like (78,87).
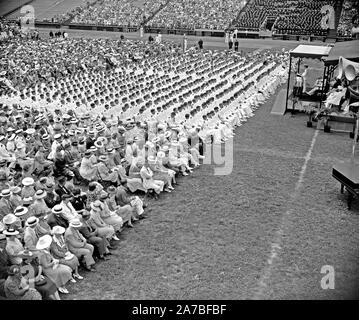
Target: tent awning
(308,51)
(346,49)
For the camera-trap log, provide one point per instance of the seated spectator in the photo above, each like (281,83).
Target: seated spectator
(13,246)
(34,276)
(78,245)
(126,212)
(61,188)
(56,218)
(5,262)
(122,198)
(109,217)
(79,200)
(147,178)
(31,236)
(39,206)
(60,251)
(96,236)
(68,211)
(58,273)
(14,288)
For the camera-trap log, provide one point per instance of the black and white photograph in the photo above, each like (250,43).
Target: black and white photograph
(178,156)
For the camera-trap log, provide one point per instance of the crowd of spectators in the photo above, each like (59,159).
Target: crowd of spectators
(349,11)
(78,151)
(202,14)
(118,12)
(293,16)
(67,16)
(28,61)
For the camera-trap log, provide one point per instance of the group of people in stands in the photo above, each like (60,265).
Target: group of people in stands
(187,14)
(350,12)
(79,149)
(118,12)
(292,16)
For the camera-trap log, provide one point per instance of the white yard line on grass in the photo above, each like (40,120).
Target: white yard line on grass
(276,245)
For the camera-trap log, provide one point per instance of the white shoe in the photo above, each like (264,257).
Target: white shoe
(185,173)
(63,290)
(73,280)
(115,238)
(77,276)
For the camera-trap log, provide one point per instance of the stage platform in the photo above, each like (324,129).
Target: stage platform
(338,123)
(348,176)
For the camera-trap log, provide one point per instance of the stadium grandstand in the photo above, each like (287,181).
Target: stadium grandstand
(329,18)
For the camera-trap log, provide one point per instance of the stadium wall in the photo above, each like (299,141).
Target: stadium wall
(7,7)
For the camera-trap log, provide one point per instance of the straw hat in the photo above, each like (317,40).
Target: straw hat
(98,144)
(111,190)
(20,211)
(30,131)
(58,230)
(27,200)
(68,255)
(11,232)
(168,134)
(8,219)
(57,209)
(26,253)
(13,270)
(57,136)
(160,154)
(6,193)
(102,158)
(40,194)
(32,221)
(103,195)
(75,223)
(44,242)
(27,181)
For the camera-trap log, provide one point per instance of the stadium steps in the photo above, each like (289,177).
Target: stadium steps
(338,12)
(233,22)
(155,13)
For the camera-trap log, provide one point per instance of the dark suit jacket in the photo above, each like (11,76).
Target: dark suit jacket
(4,264)
(61,190)
(79,202)
(86,230)
(54,220)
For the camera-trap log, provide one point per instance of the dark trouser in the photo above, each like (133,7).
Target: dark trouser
(2,291)
(100,244)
